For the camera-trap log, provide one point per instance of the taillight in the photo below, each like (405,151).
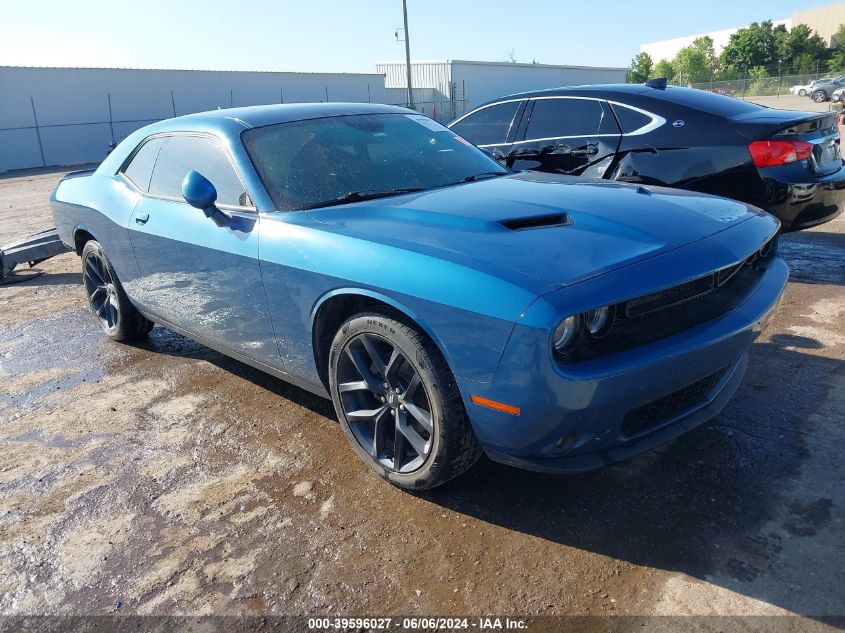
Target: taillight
(772,153)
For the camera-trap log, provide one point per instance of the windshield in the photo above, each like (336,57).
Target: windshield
(315,162)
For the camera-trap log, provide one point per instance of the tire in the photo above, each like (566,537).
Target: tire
(819,96)
(802,93)
(371,341)
(115,314)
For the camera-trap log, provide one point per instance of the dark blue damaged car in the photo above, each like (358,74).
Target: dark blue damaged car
(447,306)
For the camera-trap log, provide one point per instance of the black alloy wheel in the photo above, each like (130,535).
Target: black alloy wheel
(385,403)
(100,288)
(398,402)
(116,315)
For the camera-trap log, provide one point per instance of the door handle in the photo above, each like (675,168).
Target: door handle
(141,218)
(589,150)
(525,152)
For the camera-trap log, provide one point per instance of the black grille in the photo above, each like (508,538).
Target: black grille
(672,310)
(658,411)
(668,298)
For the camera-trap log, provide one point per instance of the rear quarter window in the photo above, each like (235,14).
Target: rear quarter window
(709,102)
(630,120)
(140,167)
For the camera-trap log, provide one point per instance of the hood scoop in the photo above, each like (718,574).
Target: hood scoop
(537,222)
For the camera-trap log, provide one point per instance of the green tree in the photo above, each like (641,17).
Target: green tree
(663,68)
(802,64)
(641,67)
(705,45)
(695,63)
(837,49)
(755,45)
(798,45)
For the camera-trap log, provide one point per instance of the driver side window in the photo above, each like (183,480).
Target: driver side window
(181,154)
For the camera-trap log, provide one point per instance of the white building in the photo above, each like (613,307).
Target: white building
(445,89)
(823,20)
(667,49)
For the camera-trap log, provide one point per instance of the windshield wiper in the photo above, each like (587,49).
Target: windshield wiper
(360,196)
(484,175)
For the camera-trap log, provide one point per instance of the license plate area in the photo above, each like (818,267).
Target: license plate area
(826,155)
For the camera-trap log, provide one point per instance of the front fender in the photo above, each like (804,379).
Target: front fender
(469,314)
(383,298)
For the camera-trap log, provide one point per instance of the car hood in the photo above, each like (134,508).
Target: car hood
(557,230)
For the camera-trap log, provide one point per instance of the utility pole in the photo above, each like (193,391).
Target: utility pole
(408,54)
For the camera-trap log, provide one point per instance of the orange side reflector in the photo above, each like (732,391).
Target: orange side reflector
(498,406)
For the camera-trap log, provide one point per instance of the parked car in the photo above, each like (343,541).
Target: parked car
(800,90)
(446,305)
(838,96)
(821,90)
(672,136)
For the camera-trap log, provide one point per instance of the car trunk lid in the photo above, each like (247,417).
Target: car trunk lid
(818,129)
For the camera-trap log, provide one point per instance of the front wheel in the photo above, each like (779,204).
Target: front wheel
(115,314)
(398,403)
(802,93)
(819,96)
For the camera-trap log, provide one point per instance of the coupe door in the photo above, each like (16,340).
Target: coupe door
(567,135)
(194,274)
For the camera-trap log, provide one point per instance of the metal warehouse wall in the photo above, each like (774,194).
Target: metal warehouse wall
(458,86)
(66,116)
(485,81)
(431,81)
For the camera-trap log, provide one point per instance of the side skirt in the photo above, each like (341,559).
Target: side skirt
(318,390)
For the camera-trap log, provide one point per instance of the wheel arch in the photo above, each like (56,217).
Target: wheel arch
(335,307)
(81,235)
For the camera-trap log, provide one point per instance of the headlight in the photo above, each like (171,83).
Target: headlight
(598,321)
(567,332)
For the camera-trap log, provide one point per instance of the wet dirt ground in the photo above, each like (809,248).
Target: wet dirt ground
(176,481)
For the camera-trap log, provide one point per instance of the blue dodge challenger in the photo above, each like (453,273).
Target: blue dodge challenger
(447,306)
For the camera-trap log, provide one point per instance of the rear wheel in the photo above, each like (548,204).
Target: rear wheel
(802,93)
(819,96)
(398,403)
(115,314)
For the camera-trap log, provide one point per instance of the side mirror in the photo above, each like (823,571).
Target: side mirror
(526,153)
(494,154)
(558,149)
(200,193)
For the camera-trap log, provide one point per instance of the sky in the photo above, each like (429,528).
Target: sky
(349,36)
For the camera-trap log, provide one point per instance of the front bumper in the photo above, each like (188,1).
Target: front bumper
(577,417)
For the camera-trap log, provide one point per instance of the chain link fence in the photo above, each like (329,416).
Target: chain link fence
(761,86)
(442,111)
(69,116)
(443,105)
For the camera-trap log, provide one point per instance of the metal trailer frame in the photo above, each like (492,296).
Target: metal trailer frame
(31,250)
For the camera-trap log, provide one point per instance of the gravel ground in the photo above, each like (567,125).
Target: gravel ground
(176,481)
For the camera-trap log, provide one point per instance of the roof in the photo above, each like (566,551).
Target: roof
(586,90)
(258,116)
